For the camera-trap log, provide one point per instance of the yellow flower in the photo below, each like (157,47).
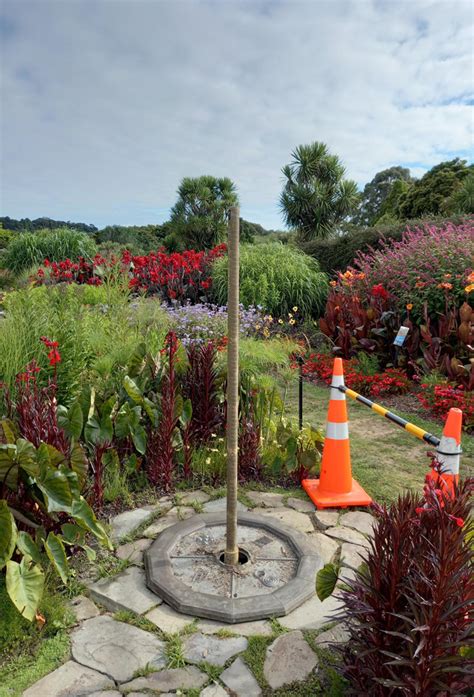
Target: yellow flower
(266,333)
(292,321)
(270,318)
(280,321)
(295,309)
(257,326)
(208,460)
(469,288)
(410,306)
(290,315)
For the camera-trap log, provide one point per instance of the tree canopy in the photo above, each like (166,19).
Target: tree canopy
(387,184)
(316,197)
(435,193)
(199,216)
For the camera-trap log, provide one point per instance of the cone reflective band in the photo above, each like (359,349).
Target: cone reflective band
(448,453)
(335,486)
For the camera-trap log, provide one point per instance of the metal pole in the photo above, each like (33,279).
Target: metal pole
(394,418)
(231,555)
(300,361)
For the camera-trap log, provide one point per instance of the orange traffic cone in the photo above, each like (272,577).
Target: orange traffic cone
(335,486)
(448,454)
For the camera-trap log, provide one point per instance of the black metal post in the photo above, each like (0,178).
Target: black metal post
(300,361)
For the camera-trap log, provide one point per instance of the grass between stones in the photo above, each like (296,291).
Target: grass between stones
(27,650)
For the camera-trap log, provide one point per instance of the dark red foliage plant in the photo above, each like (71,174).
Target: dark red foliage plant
(160,452)
(409,609)
(201,385)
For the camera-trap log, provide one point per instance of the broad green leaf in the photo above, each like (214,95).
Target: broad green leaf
(9,466)
(8,428)
(84,515)
(326,580)
(151,410)
(25,584)
(79,463)
(132,389)
(139,439)
(92,430)
(178,406)
(73,534)
(48,456)
(8,534)
(91,553)
(55,487)
(122,421)
(71,420)
(28,546)
(57,555)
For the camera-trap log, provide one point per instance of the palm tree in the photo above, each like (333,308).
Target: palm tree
(316,197)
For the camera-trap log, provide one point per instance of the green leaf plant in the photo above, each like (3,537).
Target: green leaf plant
(41,494)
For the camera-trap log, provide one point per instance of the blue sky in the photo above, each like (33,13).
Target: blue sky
(107,104)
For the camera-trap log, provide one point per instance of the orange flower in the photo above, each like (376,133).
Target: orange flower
(409,307)
(470,287)
(445,286)
(470,278)
(447,275)
(333,283)
(420,284)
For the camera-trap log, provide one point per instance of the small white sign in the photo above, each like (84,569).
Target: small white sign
(401,336)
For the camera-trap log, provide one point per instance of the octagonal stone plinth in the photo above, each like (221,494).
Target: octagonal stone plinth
(184,567)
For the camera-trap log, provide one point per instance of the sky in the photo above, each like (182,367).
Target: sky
(108,104)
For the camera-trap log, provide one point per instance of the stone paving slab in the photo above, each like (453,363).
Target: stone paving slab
(169,680)
(288,659)
(347,535)
(325,519)
(240,680)
(83,608)
(287,516)
(219,505)
(326,547)
(196,496)
(360,521)
(213,690)
(116,649)
(133,551)
(336,635)
(312,614)
(168,620)
(258,627)
(301,505)
(125,591)
(125,523)
(201,647)
(265,499)
(174,515)
(69,680)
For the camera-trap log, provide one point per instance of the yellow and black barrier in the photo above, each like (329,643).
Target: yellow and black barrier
(394,418)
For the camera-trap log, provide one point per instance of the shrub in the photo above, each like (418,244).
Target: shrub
(439,398)
(429,265)
(276,278)
(390,381)
(28,249)
(409,607)
(337,253)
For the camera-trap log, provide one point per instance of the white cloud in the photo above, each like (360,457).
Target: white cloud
(109,103)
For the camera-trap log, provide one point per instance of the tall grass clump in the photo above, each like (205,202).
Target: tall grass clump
(276,277)
(96,339)
(27,249)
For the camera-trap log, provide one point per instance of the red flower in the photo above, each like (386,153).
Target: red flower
(379,291)
(54,357)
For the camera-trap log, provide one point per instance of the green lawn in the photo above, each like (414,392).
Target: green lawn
(385,458)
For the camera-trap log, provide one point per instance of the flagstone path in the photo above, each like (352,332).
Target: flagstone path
(130,653)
